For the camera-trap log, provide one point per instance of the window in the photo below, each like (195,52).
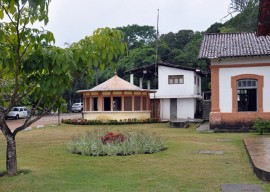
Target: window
(128,103)
(144,103)
(247,95)
(137,103)
(95,104)
(117,103)
(106,103)
(176,79)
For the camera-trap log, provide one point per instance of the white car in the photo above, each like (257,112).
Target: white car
(77,107)
(17,112)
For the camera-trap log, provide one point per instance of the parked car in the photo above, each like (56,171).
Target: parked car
(77,107)
(17,112)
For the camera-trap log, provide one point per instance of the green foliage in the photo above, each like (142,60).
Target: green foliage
(95,53)
(20,45)
(34,72)
(261,125)
(136,36)
(214,28)
(245,21)
(130,143)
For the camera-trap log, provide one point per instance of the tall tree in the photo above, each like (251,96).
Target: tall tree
(245,21)
(35,70)
(136,35)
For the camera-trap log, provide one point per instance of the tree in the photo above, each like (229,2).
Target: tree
(214,28)
(136,36)
(37,72)
(246,21)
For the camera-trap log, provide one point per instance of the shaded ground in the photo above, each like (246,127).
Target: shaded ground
(51,119)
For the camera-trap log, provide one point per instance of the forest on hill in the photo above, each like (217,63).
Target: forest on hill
(179,48)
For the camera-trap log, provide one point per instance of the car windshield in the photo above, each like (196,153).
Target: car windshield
(15,109)
(76,104)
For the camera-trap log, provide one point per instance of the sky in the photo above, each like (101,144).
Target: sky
(72,20)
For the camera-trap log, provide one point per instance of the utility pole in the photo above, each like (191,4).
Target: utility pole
(156,63)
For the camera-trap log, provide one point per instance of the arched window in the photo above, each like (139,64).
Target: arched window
(247,95)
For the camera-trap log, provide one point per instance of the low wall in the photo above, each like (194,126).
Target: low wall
(235,121)
(115,115)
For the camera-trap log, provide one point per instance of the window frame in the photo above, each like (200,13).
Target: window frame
(244,93)
(176,79)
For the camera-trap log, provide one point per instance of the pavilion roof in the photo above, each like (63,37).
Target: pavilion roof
(115,84)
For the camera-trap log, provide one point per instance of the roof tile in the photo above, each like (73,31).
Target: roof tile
(221,45)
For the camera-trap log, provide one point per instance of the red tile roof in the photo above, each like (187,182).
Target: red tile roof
(221,45)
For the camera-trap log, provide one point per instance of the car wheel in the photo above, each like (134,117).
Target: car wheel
(17,116)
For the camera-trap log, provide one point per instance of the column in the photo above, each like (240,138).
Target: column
(111,102)
(133,102)
(100,102)
(141,82)
(148,84)
(215,89)
(132,78)
(122,102)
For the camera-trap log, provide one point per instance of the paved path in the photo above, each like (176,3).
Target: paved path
(51,119)
(204,127)
(259,152)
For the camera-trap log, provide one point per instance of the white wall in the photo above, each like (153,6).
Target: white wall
(185,108)
(165,109)
(225,90)
(166,90)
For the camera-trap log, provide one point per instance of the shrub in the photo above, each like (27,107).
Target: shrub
(101,142)
(109,122)
(260,125)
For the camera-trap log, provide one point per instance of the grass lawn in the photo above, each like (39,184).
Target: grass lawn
(47,166)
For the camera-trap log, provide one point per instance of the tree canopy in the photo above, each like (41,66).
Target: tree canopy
(33,72)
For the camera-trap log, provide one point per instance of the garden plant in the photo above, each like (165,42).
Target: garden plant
(103,142)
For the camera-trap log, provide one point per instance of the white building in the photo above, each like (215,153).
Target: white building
(177,89)
(240,81)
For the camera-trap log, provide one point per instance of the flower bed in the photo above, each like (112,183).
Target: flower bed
(109,122)
(101,142)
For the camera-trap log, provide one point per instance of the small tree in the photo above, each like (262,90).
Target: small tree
(261,125)
(32,70)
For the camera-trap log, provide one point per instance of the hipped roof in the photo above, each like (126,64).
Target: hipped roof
(222,45)
(115,84)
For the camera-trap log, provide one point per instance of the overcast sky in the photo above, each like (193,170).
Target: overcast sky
(72,20)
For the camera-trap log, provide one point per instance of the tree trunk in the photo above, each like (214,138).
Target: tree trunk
(11,161)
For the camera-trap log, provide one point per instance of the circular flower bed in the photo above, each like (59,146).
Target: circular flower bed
(102,142)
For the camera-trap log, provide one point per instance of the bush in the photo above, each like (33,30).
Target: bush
(101,142)
(261,125)
(109,122)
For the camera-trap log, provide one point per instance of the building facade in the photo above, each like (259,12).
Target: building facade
(177,89)
(240,81)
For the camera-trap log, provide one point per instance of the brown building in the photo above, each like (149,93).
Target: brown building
(263,27)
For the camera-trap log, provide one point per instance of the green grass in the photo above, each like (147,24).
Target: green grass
(47,165)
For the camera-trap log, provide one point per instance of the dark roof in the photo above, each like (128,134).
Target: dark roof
(263,27)
(151,68)
(221,45)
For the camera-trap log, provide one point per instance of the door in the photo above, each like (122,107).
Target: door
(173,108)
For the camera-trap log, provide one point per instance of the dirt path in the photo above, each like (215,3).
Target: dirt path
(51,119)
